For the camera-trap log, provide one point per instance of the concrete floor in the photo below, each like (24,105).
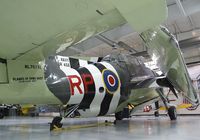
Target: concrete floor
(138,128)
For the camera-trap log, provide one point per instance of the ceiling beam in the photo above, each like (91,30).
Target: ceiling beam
(180,6)
(182,10)
(189,42)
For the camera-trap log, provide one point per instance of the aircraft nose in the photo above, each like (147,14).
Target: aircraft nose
(59,86)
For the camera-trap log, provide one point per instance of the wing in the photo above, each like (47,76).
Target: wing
(165,51)
(34,29)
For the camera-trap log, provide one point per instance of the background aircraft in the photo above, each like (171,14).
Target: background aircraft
(31,32)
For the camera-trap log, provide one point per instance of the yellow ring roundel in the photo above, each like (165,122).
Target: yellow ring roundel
(111,81)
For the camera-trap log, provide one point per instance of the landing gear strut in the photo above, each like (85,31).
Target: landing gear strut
(66,111)
(156,113)
(171,109)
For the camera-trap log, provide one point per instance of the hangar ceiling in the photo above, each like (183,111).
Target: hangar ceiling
(183,21)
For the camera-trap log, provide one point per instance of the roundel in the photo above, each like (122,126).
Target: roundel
(111,80)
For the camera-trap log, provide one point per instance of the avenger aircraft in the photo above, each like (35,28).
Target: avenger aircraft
(32,32)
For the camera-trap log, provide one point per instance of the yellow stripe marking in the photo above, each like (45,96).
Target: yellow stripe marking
(181,106)
(83,126)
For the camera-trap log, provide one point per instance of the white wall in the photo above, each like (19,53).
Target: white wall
(194,71)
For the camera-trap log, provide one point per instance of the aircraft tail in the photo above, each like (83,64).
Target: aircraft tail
(164,50)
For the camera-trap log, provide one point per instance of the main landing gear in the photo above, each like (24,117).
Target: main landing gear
(171,110)
(55,124)
(125,113)
(172,113)
(156,113)
(65,112)
(1,115)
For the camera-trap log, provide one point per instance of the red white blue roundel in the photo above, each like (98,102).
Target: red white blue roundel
(111,80)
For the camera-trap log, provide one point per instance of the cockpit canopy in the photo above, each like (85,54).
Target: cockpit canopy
(132,65)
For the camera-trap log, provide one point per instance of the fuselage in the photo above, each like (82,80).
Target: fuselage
(98,88)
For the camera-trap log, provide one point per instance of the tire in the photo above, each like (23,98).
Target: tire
(56,122)
(119,115)
(156,114)
(172,113)
(1,115)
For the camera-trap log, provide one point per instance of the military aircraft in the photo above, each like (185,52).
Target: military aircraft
(32,31)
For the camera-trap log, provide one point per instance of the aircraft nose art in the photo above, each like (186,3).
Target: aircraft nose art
(56,80)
